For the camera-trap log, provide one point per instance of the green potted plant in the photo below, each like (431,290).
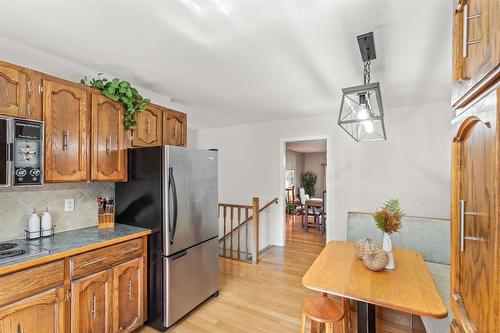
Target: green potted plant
(120,91)
(388,219)
(309,180)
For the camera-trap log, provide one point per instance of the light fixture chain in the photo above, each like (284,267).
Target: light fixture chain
(366,71)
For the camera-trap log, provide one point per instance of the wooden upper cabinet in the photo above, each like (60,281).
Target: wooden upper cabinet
(109,147)
(43,312)
(128,296)
(174,128)
(475,258)
(476,45)
(91,303)
(12,91)
(34,95)
(148,131)
(66,132)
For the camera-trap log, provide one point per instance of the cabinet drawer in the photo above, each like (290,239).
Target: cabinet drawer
(94,261)
(25,283)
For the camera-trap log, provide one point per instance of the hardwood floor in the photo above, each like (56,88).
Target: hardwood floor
(264,297)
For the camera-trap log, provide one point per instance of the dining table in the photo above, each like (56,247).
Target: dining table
(409,287)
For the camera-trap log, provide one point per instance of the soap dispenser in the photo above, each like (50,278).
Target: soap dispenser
(46,223)
(34,225)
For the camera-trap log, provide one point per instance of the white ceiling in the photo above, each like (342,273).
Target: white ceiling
(310,146)
(240,61)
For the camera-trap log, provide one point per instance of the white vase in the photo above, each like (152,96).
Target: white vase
(387,247)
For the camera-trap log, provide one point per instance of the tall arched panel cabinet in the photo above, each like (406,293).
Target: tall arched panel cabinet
(475,200)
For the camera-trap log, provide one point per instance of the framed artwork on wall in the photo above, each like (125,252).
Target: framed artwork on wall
(289,178)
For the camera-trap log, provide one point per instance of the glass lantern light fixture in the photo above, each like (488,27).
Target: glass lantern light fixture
(361,110)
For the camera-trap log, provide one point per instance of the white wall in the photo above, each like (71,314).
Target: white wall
(295,162)
(412,165)
(312,163)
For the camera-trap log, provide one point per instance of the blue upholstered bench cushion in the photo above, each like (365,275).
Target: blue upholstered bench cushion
(441,276)
(430,237)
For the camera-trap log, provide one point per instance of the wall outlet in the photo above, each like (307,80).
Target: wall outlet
(69,205)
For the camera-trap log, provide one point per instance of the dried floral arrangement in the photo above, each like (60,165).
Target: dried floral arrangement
(388,217)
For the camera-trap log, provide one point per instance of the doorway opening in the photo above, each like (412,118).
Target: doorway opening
(305,187)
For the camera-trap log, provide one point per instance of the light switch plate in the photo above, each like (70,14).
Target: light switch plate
(69,205)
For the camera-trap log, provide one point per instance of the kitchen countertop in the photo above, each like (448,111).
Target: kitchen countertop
(71,242)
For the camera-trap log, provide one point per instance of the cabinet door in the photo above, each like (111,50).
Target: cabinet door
(476,49)
(474,294)
(128,296)
(109,148)
(174,128)
(148,131)
(40,313)
(12,92)
(66,132)
(34,95)
(91,303)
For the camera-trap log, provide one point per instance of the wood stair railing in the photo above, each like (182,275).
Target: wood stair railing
(241,214)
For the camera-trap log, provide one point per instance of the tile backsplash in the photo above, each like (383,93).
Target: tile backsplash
(16,205)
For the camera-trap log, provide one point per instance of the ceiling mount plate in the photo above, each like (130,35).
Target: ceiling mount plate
(367,46)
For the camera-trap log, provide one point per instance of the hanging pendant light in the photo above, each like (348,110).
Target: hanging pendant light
(361,110)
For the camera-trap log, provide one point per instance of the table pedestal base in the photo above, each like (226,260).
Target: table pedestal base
(366,317)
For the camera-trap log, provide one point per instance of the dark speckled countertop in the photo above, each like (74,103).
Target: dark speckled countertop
(76,241)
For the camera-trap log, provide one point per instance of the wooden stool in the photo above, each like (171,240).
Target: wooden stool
(324,310)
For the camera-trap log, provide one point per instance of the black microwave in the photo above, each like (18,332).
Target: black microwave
(21,152)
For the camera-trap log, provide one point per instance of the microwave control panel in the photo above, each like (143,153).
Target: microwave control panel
(27,153)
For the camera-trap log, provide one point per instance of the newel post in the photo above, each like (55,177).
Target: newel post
(255,227)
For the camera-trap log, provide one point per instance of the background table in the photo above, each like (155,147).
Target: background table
(408,288)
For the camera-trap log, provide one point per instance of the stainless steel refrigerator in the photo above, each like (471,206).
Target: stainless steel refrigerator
(173,191)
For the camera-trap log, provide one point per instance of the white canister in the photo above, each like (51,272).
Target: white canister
(34,225)
(46,223)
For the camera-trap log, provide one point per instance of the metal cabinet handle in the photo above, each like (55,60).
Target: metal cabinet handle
(20,329)
(129,291)
(40,89)
(94,306)
(462,224)
(463,238)
(108,144)
(29,86)
(65,139)
(29,110)
(94,262)
(465,37)
(148,126)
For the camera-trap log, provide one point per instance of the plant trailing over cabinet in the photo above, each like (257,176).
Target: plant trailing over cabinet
(120,91)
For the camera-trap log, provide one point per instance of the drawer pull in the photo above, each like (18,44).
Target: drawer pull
(94,262)
(131,250)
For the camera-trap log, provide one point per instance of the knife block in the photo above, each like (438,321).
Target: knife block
(106,220)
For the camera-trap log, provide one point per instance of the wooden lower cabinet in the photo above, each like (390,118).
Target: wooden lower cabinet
(91,303)
(128,296)
(475,265)
(43,312)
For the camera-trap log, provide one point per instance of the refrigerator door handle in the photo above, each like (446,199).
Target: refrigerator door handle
(171,184)
(178,255)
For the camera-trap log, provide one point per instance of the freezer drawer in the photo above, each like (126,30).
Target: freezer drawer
(191,276)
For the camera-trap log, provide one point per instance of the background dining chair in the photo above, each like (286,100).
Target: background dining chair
(310,211)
